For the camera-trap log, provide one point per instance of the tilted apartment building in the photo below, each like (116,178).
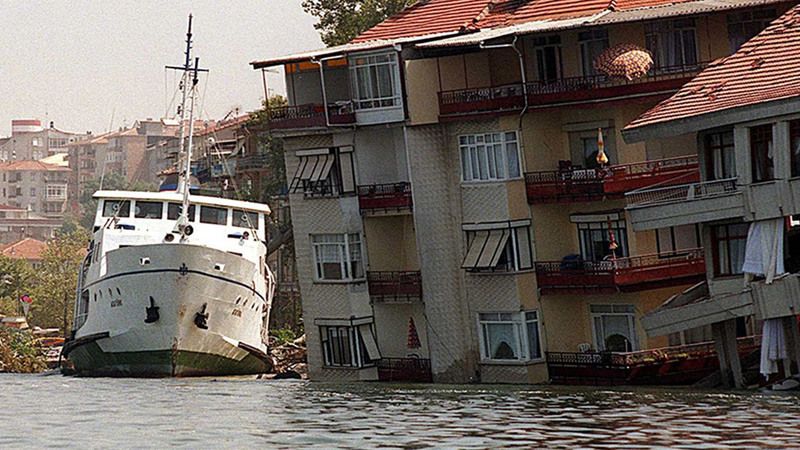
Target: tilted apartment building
(450,218)
(745,114)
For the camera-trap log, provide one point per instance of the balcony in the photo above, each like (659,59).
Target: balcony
(384,198)
(576,184)
(395,287)
(582,89)
(778,299)
(663,172)
(405,369)
(310,116)
(569,184)
(629,274)
(663,207)
(251,163)
(678,365)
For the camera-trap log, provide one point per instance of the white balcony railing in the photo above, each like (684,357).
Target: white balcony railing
(682,193)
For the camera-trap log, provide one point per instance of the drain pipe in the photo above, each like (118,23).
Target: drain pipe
(526,105)
(320,63)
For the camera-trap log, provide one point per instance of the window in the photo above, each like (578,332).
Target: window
(375,80)
(348,346)
(744,25)
(116,208)
(33,192)
(148,210)
(327,172)
(212,215)
(56,192)
(245,219)
(36,142)
(338,257)
(761,153)
(491,156)
(794,142)
(720,156)
(673,44)
(595,238)
(672,240)
(613,328)
(505,249)
(592,43)
(510,336)
(548,57)
(174,211)
(730,242)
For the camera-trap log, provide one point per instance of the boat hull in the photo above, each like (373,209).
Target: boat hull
(190,311)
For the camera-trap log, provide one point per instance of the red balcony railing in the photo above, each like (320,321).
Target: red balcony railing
(395,287)
(575,277)
(663,172)
(628,274)
(567,185)
(684,364)
(310,116)
(649,271)
(574,183)
(384,197)
(405,369)
(511,97)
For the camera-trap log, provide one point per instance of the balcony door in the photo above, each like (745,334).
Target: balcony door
(613,328)
(595,238)
(720,156)
(548,58)
(673,44)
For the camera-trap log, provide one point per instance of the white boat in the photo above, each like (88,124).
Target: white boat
(174,284)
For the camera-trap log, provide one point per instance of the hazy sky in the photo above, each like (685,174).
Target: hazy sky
(80,62)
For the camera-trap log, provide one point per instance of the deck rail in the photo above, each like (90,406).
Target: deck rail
(394,286)
(671,194)
(385,196)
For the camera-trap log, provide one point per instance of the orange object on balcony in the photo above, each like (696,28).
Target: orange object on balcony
(623,178)
(395,287)
(384,197)
(628,274)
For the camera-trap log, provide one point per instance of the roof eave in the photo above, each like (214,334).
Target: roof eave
(716,119)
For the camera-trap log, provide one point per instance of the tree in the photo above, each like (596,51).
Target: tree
(342,20)
(271,148)
(57,279)
(16,278)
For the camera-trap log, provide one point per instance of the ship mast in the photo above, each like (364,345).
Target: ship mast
(188,87)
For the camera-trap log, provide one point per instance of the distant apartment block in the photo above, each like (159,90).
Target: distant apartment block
(30,141)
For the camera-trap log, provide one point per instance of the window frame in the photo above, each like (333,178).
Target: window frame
(542,46)
(136,215)
(346,249)
(762,143)
(475,149)
(209,207)
(357,351)
(615,310)
(717,239)
(519,320)
(371,66)
(758,20)
(340,179)
(586,40)
(620,233)
(716,152)
(655,35)
(513,264)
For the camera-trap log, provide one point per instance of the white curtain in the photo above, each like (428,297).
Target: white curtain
(773,346)
(764,252)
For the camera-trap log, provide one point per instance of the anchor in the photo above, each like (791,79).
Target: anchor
(152,312)
(201,318)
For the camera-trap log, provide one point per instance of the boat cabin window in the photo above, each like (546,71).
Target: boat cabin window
(148,210)
(174,211)
(212,215)
(245,219)
(118,208)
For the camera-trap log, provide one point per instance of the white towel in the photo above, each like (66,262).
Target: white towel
(773,346)
(764,251)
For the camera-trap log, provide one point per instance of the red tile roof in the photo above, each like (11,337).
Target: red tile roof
(427,17)
(28,248)
(442,16)
(32,166)
(765,69)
